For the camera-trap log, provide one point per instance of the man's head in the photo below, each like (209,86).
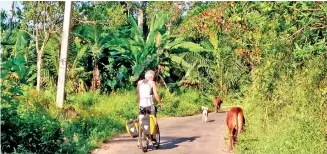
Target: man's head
(149,75)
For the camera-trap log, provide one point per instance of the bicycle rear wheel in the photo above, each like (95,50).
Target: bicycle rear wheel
(157,137)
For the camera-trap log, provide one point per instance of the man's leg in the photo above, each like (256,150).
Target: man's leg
(140,127)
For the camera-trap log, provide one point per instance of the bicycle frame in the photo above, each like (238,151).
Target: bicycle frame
(147,138)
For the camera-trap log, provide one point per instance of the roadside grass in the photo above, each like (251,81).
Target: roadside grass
(292,118)
(101,117)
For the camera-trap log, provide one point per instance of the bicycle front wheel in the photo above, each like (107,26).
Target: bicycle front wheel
(143,141)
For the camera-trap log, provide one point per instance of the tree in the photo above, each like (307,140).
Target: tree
(96,42)
(42,19)
(141,55)
(174,10)
(110,15)
(208,22)
(96,24)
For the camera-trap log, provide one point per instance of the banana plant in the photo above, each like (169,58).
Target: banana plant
(76,72)
(96,41)
(174,49)
(158,48)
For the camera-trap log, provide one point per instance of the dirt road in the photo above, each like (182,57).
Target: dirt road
(179,135)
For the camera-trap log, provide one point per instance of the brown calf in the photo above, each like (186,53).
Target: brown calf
(217,103)
(235,122)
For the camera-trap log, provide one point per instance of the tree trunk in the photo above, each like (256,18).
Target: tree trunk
(141,22)
(39,53)
(128,9)
(140,17)
(39,57)
(63,55)
(96,77)
(38,79)
(39,60)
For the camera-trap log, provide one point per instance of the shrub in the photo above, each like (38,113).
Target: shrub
(183,103)
(28,128)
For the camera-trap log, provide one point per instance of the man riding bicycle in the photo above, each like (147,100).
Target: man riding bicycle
(145,90)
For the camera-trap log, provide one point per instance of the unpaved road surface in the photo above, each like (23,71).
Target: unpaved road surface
(179,135)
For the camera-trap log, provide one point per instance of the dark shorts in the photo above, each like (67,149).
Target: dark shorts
(148,110)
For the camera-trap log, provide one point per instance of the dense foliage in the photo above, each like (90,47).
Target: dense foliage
(268,57)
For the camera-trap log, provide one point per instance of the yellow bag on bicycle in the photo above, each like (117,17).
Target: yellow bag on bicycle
(152,124)
(148,124)
(132,127)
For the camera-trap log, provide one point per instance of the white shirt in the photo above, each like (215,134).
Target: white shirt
(145,93)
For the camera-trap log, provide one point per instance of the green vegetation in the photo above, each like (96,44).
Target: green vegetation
(292,118)
(100,118)
(268,57)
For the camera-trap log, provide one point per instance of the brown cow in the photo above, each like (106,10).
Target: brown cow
(235,122)
(217,103)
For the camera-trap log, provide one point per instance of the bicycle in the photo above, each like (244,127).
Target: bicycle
(145,137)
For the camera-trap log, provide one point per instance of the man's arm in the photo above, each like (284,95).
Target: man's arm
(156,93)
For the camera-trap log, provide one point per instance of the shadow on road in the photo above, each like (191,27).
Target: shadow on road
(123,139)
(223,111)
(211,121)
(220,111)
(173,142)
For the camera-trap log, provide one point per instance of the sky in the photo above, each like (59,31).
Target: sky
(6,5)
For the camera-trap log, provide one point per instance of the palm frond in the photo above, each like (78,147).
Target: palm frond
(190,46)
(136,33)
(22,40)
(79,55)
(179,60)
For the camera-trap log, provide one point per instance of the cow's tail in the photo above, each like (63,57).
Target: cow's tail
(236,129)
(240,122)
